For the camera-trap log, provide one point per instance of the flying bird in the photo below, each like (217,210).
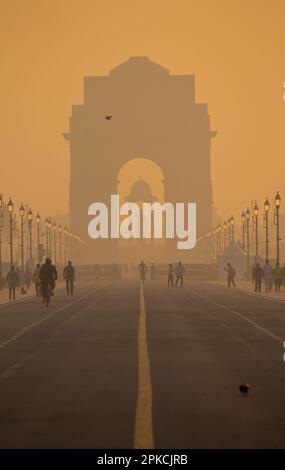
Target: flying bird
(244,389)
(108,117)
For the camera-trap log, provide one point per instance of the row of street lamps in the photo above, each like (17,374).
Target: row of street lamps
(228,229)
(71,240)
(214,249)
(245,219)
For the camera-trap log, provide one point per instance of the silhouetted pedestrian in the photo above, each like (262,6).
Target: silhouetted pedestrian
(12,280)
(179,271)
(231,275)
(97,272)
(69,276)
(142,268)
(170,275)
(268,276)
(277,276)
(27,278)
(257,276)
(283,274)
(152,271)
(20,276)
(36,280)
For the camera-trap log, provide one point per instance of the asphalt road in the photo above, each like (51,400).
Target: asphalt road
(120,366)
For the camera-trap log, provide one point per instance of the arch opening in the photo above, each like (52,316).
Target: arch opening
(141,180)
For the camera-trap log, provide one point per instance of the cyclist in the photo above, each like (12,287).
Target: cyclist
(48,276)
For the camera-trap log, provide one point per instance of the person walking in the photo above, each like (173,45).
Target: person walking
(97,272)
(283,275)
(179,271)
(257,276)
(12,280)
(142,268)
(231,275)
(36,280)
(20,276)
(69,276)
(27,278)
(152,271)
(277,276)
(268,276)
(170,275)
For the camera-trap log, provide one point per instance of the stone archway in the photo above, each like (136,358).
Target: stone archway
(141,180)
(154,114)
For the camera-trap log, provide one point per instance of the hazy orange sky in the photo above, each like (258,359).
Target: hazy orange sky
(235,49)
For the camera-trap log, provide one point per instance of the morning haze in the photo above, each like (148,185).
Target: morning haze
(235,50)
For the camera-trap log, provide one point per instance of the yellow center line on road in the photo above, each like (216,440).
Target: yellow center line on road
(143,436)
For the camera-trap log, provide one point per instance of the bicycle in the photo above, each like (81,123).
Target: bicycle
(48,294)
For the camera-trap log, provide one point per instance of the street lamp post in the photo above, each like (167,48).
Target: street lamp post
(243,229)
(219,235)
(255,227)
(49,237)
(214,243)
(225,235)
(247,215)
(75,248)
(38,220)
(266,211)
(59,232)
(76,254)
(47,242)
(22,215)
(10,210)
(71,245)
(54,241)
(65,244)
(229,230)
(68,244)
(217,241)
(30,222)
(78,249)
(208,246)
(277,223)
(232,222)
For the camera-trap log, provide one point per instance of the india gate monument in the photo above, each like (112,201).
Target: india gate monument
(139,134)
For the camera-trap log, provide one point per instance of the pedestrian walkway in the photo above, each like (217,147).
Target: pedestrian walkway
(248,286)
(4,293)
